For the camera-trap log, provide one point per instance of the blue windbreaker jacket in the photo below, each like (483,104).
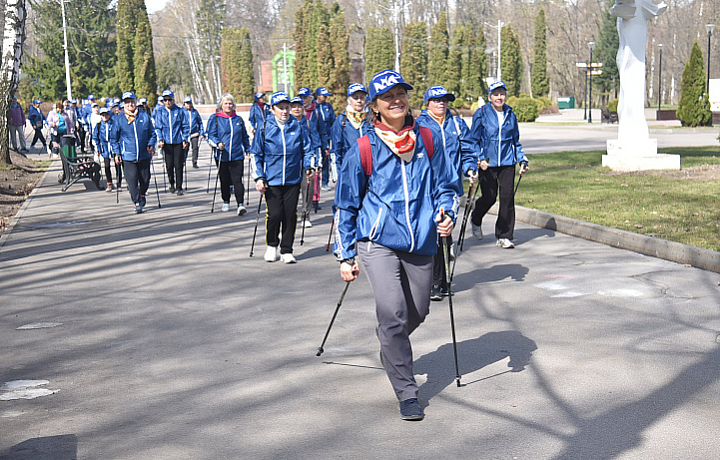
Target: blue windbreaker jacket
(325,119)
(133,139)
(397,204)
(195,122)
(232,133)
(171,126)
(455,136)
(344,135)
(281,155)
(104,136)
(36,116)
(485,133)
(257,115)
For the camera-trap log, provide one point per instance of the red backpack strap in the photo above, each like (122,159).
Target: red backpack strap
(426,135)
(366,154)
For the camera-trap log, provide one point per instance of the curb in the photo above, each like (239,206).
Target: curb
(622,239)
(6,234)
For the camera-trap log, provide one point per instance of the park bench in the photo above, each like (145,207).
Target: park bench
(608,116)
(77,167)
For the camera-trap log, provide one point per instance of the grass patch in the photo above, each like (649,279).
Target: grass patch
(680,206)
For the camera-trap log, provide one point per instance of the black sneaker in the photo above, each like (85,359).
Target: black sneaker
(195,165)
(180,192)
(435,293)
(171,189)
(410,410)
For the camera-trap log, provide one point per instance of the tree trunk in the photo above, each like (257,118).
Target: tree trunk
(13,38)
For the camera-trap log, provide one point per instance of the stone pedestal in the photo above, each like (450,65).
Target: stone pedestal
(639,155)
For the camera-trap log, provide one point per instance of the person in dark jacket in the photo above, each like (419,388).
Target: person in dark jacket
(258,112)
(173,132)
(351,125)
(229,139)
(393,198)
(312,117)
(16,124)
(134,146)
(326,118)
(462,153)
(495,131)
(197,132)
(104,135)
(281,153)
(37,120)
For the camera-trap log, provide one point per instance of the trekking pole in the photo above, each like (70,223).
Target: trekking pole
(209,173)
(337,308)
(247,191)
(257,220)
(518,185)
(164,175)
(446,254)
(117,189)
(332,225)
(468,209)
(152,162)
(217,176)
(306,211)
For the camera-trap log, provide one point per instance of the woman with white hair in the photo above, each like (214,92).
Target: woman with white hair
(229,139)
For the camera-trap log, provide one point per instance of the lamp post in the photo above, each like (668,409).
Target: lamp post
(709,28)
(660,79)
(67,59)
(591,45)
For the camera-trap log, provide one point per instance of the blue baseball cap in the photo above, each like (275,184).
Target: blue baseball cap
(383,81)
(259,95)
(305,91)
(496,85)
(117,99)
(142,100)
(355,87)
(278,97)
(128,95)
(297,99)
(104,110)
(437,92)
(73,101)
(36,101)
(91,97)
(187,99)
(168,93)
(322,91)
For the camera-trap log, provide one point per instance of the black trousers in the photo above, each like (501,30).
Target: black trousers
(502,177)
(38,137)
(137,177)
(81,137)
(282,203)
(108,171)
(175,164)
(231,173)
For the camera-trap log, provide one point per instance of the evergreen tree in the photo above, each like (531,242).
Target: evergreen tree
(694,107)
(145,76)
(379,51)
(339,39)
(135,67)
(237,64)
(477,65)
(511,64)
(170,75)
(540,81)
(301,18)
(325,62)
(413,63)
(607,83)
(91,47)
(454,65)
(438,52)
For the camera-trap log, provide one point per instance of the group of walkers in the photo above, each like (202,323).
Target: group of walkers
(398,182)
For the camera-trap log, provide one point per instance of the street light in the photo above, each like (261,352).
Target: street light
(660,79)
(67,59)
(591,45)
(709,28)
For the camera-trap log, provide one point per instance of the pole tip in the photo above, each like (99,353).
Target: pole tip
(320,351)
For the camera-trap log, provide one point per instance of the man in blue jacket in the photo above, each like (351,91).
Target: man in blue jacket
(134,147)
(326,118)
(495,130)
(37,119)
(197,132)
(172,130)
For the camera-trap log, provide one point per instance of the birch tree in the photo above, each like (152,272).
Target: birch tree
(13,38)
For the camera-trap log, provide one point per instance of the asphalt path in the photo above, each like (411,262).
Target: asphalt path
(170,342)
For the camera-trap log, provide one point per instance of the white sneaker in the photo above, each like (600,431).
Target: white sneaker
(307,223)
(325,188)
(54,155)
(271,254)
(226,207)
(504,243)
(477,231)
(287,258)
(241,210)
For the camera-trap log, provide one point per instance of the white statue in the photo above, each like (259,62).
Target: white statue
(633,149)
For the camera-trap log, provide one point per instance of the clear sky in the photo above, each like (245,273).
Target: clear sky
(155,5)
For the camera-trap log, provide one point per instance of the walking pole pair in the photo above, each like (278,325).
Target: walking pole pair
(461,238)
(217,177)
(446,257)
(152,162)
(306,210)
(257,221)
(332,225)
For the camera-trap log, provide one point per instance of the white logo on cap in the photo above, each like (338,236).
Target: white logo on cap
(392,79)
(437,92)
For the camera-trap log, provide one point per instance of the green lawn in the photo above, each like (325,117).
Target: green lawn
(574,184)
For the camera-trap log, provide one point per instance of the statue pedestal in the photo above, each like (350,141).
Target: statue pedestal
(640,155)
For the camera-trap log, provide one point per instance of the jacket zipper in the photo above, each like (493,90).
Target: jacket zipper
(407,206)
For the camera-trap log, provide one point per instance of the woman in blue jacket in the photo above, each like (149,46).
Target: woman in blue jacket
(229,140)
(258,112)
(495,131)
(461,152)
(173,133)
(104,136)
(281,152)
(37,120)
(134,147)
(197,132)
(351,125)
(394,196)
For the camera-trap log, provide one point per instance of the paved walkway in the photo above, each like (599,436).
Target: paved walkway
(171,343)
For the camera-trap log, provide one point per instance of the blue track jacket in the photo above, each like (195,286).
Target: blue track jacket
(455,136)
(397,204)
(257,115)
(171,126)
(195,122)
(133,139)
(281,155)
(36,117)
(485,133)
(344,135)
(325,119)
(232,133)
(104,136)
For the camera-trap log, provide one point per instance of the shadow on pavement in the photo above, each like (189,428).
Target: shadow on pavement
(62,447)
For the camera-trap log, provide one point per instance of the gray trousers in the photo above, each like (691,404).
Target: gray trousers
(401,283)
(15,132)
(195,147)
